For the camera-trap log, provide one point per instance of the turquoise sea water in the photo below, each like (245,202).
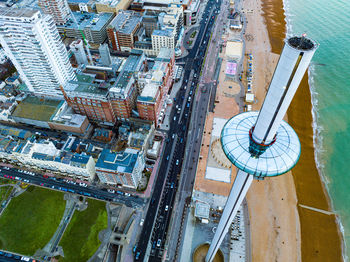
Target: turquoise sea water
(328,22)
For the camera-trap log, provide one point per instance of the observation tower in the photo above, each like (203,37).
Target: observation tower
(261,144)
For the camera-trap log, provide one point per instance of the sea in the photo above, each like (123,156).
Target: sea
(328,23)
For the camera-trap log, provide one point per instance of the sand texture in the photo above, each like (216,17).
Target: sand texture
(320,236)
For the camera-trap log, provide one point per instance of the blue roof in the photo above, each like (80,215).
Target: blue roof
(118,162)
(82,159)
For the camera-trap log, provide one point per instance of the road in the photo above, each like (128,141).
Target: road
(154,232)
(60,185)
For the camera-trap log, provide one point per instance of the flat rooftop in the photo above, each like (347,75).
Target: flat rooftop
(87,84)
(17,12)
(95,21)
(125,22)
(37,108)
(167,32)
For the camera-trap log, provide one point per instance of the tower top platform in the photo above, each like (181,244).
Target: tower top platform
(279,157)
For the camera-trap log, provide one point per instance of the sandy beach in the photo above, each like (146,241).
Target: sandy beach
(290,215)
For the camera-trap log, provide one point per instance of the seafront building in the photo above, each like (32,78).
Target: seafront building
(155,85)
(30,39)
(20,147)
(58,9)
(120,168)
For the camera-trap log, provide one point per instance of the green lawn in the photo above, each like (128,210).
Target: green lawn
(7,181)
(5,192)
(193,34)
(80,241)
(30,220)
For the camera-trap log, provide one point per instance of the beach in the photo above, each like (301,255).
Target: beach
(290,215)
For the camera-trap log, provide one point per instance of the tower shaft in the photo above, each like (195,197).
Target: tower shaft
(238,191)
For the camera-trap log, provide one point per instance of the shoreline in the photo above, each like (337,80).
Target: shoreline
(321,238)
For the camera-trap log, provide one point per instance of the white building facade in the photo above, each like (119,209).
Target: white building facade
(31,40)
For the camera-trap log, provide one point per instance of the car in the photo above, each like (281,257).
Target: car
(42,184)
(45,176)
(25,258)
(177,162)
(189,99)
(172,185)
(166,208)
(173,136)
(174,118)
(6,176)
(137,256)
(141,222)
(120,193)
(127,194)
(82,184)
(111,191)
(159,242)
(191,92)
(167,158)
(26,180)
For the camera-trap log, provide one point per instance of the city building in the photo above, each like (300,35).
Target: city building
(90,26)
(30,39)
(170,22)
(88,6)
(122,95)
(163,38)
(88,96)
(120,168)
(112,6)
(150,22)
(58,9)
(122,30)
(194,8)
(20,149)
(105,56)
(77,48)
(66,120)
(142,5)
(50,114)
(102,101)
(155,85)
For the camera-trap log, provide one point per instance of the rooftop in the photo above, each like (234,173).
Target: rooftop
(123,162)
(88,85)
(17,12)
(167,32)
(92,20)
(129,68)
(125,22)
(37,108)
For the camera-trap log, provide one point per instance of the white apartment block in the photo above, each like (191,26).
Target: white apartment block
(58,9)
(163,38)
(31,40)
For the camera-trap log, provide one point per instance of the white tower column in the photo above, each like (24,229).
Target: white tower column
(238,191)
(262,145)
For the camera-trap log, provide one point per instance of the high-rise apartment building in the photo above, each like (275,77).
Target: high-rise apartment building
(31,40)
(59,10)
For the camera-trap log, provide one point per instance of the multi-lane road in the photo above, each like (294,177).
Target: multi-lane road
(155,229)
